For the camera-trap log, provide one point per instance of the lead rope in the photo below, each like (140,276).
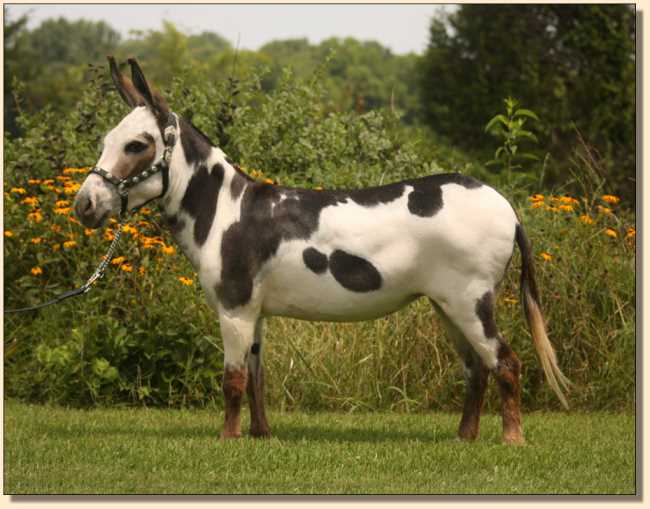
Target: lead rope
(99,272)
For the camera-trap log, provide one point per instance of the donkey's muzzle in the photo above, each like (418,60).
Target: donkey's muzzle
(86,210)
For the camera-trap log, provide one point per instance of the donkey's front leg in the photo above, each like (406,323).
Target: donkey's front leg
(237,333)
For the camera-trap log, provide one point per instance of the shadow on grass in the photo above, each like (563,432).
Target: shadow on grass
(285,432)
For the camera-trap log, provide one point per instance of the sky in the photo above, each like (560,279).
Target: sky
(402,28)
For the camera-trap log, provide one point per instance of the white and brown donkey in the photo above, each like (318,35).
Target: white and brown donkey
(343,255)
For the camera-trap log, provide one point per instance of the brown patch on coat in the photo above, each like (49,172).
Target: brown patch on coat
(130,164)
(508,373)
(234,385)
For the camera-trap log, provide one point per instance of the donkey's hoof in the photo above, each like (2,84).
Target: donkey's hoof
(260,433)
(227,435)
(514,439)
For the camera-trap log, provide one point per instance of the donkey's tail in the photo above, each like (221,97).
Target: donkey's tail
(530,299)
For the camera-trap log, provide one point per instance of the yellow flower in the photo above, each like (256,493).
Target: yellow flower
(536,197)
(586,219)
(36,240)
(36,271)
(168,250)
(72,188)
(108,234)
(569,200)
(126,267)
(55,228)
(141,271)
(610,232)
(62,178)
(30,200)
(34,182)
(318,188)
(509,300)
(566,208)
(88,232)
(145,210)
(18,190)
(112,220)
(118,260)
(552,209)
(546,256)
(610,199)
(537,204)
(186,281)
(268,181)
(62,211)
(62,203)
(127,228)
(9,233)
(56,247)
(631,233)
(75,170)
(144,224)
(35,216)
(603,210)
(48,182)
(69,244)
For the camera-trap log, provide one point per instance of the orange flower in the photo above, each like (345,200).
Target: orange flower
(566,208)
(586,219)
(610,199)
(141,271)
(118,260)
(537,204)
(73,220)
(126,267)
(127,228)
(62,203)
(631,233)
(168,250)
(36,240)
(69,244)
(546,256)
(36,271)
(18,190)
(35,216)
(30,200)
(186,281)
(610,232)
(603,210)
(536,198)
(88,232)
(145,210)
(62,211)
(9,233)
(55,228)
(56,247)
(34,182)
(268,181)
(72,188)
(108,234)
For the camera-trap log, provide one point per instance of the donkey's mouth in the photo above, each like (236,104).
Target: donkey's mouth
(94,223)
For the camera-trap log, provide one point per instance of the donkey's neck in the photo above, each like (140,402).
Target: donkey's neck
(204,193)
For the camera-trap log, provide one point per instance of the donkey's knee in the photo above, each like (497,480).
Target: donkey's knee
(234,386)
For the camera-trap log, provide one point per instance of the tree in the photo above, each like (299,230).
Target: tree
(572,64)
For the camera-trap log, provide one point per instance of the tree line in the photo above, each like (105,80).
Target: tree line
(573,65)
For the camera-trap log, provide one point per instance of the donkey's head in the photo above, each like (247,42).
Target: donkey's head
(124,177)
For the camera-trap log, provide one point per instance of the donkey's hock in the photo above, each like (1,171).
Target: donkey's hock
(343,255)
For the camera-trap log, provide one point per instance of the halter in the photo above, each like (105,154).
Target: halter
(123,185)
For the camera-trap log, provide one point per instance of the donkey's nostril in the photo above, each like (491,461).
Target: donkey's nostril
(89,205)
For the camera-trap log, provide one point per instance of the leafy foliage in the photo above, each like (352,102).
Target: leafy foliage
(574,65)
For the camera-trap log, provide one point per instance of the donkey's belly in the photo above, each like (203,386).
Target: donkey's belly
(310,304)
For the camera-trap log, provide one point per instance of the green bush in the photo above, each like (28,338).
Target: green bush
(144,335)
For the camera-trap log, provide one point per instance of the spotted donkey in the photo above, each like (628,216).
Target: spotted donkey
(263,250)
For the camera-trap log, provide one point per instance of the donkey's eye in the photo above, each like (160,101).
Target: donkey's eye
(134,147)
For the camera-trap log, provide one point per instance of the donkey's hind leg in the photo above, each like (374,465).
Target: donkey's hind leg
(255,387)
(474,317)
(476,378)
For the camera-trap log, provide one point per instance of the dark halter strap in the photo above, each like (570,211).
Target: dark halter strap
(162,167)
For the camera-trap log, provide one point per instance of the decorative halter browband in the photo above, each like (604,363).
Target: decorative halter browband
(123,185)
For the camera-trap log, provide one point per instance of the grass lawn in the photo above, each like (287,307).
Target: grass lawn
(53,450)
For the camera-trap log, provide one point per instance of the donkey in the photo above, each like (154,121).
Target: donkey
(264,250)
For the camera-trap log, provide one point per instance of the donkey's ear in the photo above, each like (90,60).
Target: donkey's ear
(124,86)
(153,99)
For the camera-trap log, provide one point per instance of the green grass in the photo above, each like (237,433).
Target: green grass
(54,450)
